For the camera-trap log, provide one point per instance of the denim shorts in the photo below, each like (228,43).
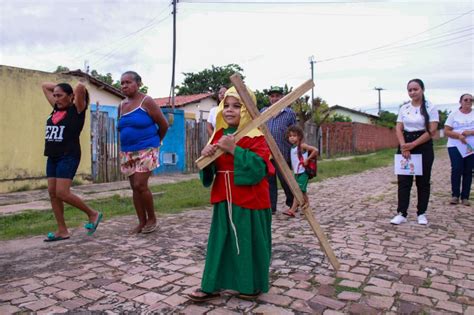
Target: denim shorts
(62,166)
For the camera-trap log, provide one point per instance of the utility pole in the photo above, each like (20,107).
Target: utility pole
(174,56)
(380,100)
(311,61)
(86,66)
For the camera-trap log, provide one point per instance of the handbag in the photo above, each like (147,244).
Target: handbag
(312,168)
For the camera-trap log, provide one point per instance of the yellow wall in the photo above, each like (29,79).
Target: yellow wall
(23,114)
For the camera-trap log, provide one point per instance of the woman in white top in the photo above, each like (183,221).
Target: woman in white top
(459,128)
(417,122)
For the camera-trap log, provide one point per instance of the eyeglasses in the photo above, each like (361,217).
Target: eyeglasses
(467,100)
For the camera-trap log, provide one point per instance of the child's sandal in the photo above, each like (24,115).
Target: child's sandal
(201,296)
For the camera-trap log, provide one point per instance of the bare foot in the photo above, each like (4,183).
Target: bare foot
(63,234)
(150,222)
(93,218)
(136,230)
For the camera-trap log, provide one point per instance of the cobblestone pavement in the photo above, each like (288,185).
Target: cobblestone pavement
(407,269)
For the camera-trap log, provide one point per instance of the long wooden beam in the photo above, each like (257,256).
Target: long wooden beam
(284,168)
(202,162)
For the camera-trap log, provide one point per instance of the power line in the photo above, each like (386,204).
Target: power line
(417,45)
(112,52)
(394,50)
(147,26)
(265,2)
(397,41)
(311,13)
(278,2)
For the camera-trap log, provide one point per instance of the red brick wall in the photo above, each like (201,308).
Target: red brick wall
(351,137)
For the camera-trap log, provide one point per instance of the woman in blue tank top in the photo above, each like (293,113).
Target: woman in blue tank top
(142,127)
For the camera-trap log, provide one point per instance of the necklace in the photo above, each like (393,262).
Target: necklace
(416,109)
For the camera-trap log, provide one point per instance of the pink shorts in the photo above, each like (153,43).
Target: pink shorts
(142,161)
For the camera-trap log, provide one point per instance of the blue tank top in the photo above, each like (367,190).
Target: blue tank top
(137,130)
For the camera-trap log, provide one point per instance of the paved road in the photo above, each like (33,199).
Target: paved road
(408,269)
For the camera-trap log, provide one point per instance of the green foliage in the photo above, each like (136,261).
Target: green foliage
(262,99)
(320,111)
(303,110)
(262,96)
(443,115)
(208,80)
(339,118)
(106,78)
(386,119)
(341,288)
(335,168)
(427,283)
(61,69)
(192,194)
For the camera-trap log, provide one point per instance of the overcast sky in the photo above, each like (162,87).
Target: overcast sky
(357,45)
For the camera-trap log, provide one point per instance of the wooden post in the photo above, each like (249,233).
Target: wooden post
(283,167)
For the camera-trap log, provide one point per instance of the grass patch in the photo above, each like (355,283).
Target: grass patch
(335,168)
(177,197)
(341,288)
(426,283)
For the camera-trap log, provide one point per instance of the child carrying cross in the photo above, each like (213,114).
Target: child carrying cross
(239,245)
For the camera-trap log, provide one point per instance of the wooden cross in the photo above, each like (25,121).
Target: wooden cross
(259,122)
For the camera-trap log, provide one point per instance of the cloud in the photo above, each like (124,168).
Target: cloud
(271,43)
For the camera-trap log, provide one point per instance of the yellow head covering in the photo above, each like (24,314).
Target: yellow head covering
(245,117)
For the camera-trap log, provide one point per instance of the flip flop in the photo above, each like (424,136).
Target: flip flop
(248,297)
(149,228)
(203,298)
(290,214)
(53,238)
(92,227)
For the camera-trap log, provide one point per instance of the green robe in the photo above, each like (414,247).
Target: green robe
(247,271)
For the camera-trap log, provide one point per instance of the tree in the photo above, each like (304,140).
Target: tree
(339,118)
(104,78)
(262,99)
(443,115)
(386,119)
(303,110)
(262,96)
(321,111)
(61,69)
(208,80)
(107,78)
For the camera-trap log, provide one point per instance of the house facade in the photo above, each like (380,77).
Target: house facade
(354,115)
(23,113)
(196,106)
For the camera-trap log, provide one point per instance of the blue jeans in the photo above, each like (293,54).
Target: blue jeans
(461,168)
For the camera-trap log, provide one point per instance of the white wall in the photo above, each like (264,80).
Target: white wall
(354,117)
(204,105)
